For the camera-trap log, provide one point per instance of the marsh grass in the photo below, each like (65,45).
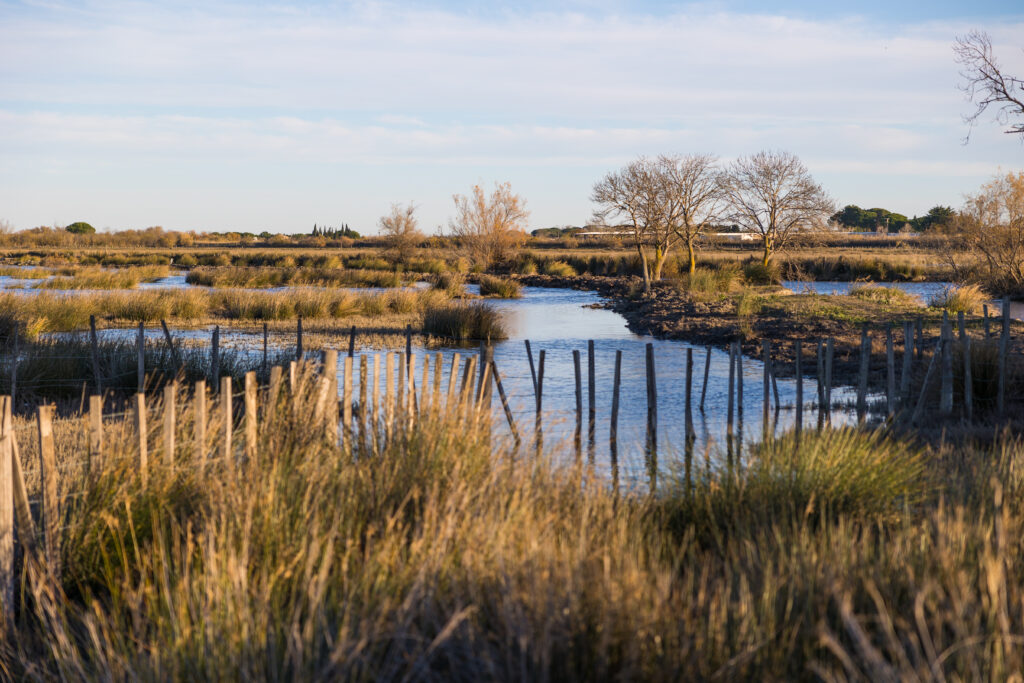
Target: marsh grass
(463,322)
(710,281)
(441,556)
(967,299)
(499,288)
(558,269)
(270,276)
(50,312)
(451,283)
(884,295)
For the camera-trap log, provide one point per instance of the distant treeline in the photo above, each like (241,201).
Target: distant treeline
(852,217)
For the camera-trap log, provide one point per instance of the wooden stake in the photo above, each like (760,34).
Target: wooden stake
(50,504)
(199,421)
(819,379)
(215,357)
(767,363)
(578,431)
(298,339)
(251,418)
(613,432)
(389,392)
(862,376)
(7,517)
(968,381)
(731,400)
(1004,345)
(988,328)
(227,422)
(273,390)
(425,385)
(403,364)
(170,394)
(652,418)
(140,430)
(538,427)
(438,371)
(829,357)
(361,419)
(961,326)
(689,433)
(15,355)
(330,373)
(453,377)
(352,342)
(946,387)
(919,408)
(591,403)
(374,414)
(799,427)
(94,342)
(263,367)
(170,344)
(533,370)
(95,432)
(141,344)
(908,364)
(346,407)
(919,325)
(505,406)
(890,372)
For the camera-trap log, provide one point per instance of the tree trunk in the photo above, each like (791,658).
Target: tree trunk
(659,262)
(690,253)
(644,268)
(767,250)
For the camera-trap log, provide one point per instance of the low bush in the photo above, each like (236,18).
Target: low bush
(559,269)
(499,288)
(758,274)
(882,295)
(968,299)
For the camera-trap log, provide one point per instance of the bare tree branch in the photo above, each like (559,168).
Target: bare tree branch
(986,85)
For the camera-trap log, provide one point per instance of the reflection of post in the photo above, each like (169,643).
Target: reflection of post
(613,436)
(729,419)
(739,404)
(707,371)
(829,357)
(767,362)
(908,364)
(652,419)
(820,381)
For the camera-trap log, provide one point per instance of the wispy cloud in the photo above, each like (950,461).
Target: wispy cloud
(374,84)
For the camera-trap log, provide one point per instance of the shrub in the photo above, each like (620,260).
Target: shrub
(450,283)
(967,299)
(499,288)
(756,273)
(559,269)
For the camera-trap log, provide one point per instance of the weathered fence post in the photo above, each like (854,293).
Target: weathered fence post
(95,432)
(50,503)
(946,389)
(1004,344)
(175,357)
(170,394)
(890,372)
(215,358)
(504,404)
(829,357)
(961,326)
(767,362)
(228,416)
(862,376)
(533,370)
(988,328)
(438,371)
(908,364)
(919,329)
(95,344)
(346,403)
(578,431)
(273,389)
(689,433)
(7,515)
(263,366)
(591,403)
(352,342)
(453,381)
(613,428)
(652,418)
(374,411)
(730,411)
(251,417)
(361,419)
(819,379)
(919,408)
(799,369)
(141,344)
(140,430)
(14,363)
(389,392)
(968,381)
(298,339)
(199,421)
(538,427)
(403,365)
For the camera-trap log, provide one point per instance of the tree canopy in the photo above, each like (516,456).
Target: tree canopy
(80,228)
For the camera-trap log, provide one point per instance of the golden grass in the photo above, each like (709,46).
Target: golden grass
(441,556)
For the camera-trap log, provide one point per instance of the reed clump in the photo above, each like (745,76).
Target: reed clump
(461,322)
(499,288)
(968,299)
(292,276)
(452,283)
(883,295)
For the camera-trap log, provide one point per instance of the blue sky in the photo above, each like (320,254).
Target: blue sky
(276,115)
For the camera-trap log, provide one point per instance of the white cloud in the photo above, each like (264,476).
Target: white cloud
(376,85)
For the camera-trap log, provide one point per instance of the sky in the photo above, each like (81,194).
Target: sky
(276,115)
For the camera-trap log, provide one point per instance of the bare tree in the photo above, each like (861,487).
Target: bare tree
(692,197)
(774,195)
(400,230)
(991,225)
(490,229)
(986,85)
(631,194)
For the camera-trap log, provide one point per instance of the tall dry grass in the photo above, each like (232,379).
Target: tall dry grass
(442,556)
